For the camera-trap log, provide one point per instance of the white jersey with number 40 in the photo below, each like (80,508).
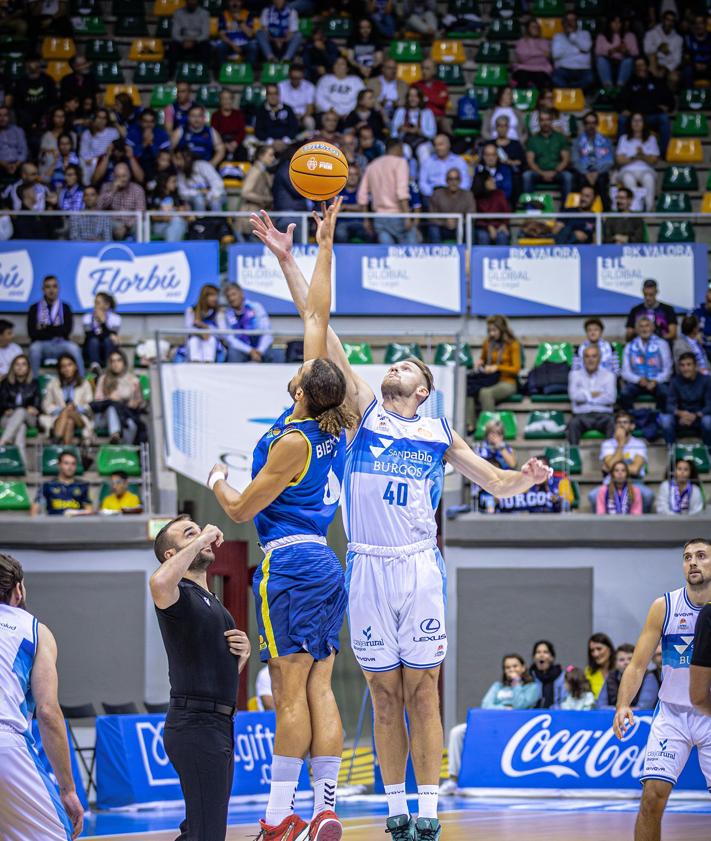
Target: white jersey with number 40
(393,479)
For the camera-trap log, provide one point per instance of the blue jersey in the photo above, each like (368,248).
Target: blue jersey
(308,504)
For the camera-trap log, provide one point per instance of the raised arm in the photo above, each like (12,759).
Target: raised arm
(164,581)
(317,310)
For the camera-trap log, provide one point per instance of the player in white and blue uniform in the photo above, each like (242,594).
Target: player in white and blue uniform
(31,806)
(676,727)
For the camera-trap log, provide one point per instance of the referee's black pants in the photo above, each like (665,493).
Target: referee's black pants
(201,747)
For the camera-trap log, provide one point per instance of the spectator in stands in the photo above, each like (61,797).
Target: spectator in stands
(415,125)
(328,130)
(8,349)
(434,168)
(95,142)
(34,94)
(622,230)
(390,92)
(493,447)
(663,47)
(366,114)
(199,183)
(623,446)
(644,94)
(81,83)
(123,195)
(13,145)
(645,699)
(365,53)
(594,328)
(696,67)
(578,695)
(601,660)
(166,198)
(593,158)
(101,331)
(116,154)
(688,407)
(201,140)
(690,342)
(348,230)
(532,66)
(49,326)
(66,406)
(71,194)
(190,33)
(620,496)
(516,690)
(235,29)
(175,116)
(564,123)
(90,226)
(435,93)
(285,196)
(320,53)
(383,15)
(228,120)
(66,157)
(119,399)
(257,187)
(300,95)
(646,366)
(386,184)
(548,674)
(593,391)
(243,314)
(491,164)
(121,499)
(454,199)
(580,230)
(680,493)
(205,315)
(13,19)
(662,316)
(39,226)
(279,37)
(338,91)
(49,144)
(490,199)
(20,404)
(495,377)
(637,155)
(703,313)
(276,123)
(548,157)
(369,147)
(504,107)
(571,51)
(615,50)
(421,16)
(147,139)
(66,495)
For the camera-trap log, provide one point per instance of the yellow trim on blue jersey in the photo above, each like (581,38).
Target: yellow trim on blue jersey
(263,596)
(303,473)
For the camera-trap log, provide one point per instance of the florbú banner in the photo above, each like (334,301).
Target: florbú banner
(558,749)
(142,277)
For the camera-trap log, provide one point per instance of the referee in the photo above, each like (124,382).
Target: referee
(700,671)
(206,653)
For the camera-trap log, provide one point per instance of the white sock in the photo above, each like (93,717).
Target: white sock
(285,778)
(397,800)
(325,773)
(427,797)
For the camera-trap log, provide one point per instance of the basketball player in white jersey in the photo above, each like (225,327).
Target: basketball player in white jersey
(30,805)
(676,727)
(395,575)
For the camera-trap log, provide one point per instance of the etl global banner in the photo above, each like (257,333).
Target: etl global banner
(369,279)
(142,277)
(584,280)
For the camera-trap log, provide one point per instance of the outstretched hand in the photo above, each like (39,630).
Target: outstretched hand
(280,244)
(326,224)
(536,471)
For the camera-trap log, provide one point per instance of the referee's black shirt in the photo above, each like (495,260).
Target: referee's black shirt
(200,664)
(702,639)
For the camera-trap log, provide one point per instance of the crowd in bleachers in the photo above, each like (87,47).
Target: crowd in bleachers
(126,106)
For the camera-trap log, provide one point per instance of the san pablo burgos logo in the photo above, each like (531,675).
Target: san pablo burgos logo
(399,462)
(368,641)
(430,628)
(16,276)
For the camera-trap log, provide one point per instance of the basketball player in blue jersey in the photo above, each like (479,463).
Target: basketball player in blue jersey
(31,806)
(676,727)
(297,473)
(395,574)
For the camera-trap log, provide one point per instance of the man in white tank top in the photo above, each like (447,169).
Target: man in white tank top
(396,577)
(676,727)
(31,807)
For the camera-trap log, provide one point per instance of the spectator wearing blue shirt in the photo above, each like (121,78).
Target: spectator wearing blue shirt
(202,140)
(13,144)
(71,196)
(434,169)
(64,495)
(66,156)
(235,29)
(147,139)
(593,158)
(349,229)
(703,313)
(279,37)
(242,314)
(646,366)
(690,342)
(688,409)
(645,699)
(696,66)
(580,231)
(492,165)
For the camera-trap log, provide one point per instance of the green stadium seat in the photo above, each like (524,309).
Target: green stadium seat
(508,421)
(408,52)
(15,68)
(108,73)
(84,8)
(446,354)
(131,26)
(102,50)
(273,73)
(89,25)
(14,496)
(695,99)
(193,72)
(567,459)
(208,97)
(252,97)
(554,352)
(673,231)
(111,459)
(674,203)
(145,382)
(397,351)
(339,27)
(236,74)
(680,177)
(591,25)
(306,27)
(358,353)
(688,124)
(151,73)
(590,8)
(121,8)
(546,199)
(544,424)
(50,459)
(696,453)
(504,9)
(605,99)
(492,52)
(592,435)
(619,348)
(163,28)
(504,29)
(492,75)
(11,462)
(163,95)
(548,8)
(525,99)
(485,97)
(450,74)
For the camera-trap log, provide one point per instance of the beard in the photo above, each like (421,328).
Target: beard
(202,561)
(392,388)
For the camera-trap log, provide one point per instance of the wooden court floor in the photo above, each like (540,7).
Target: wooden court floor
(505,825)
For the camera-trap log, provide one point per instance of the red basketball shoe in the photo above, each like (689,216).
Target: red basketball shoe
(292,828)
(326,826)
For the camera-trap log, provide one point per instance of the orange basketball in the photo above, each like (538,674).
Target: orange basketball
(318,171)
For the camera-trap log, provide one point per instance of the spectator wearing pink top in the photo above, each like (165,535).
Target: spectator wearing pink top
(620,497)
(532,58)
(386,183)
(615,51)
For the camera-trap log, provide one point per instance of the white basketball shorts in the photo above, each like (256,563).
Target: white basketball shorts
(396,606)
(674,732)
(29,801)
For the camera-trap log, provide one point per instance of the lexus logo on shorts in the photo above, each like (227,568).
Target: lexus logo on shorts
(430,626)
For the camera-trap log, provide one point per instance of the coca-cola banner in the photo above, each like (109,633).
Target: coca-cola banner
(558,749)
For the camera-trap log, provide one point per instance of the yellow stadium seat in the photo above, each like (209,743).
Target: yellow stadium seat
(146,49)
(252,704)
(167,8)
(233,183)
(58,70)
(706,203)
(409,73)
(685,150)
(112,91)
(536,241)
(214,27)
(448,52)
(58,49)
(608,124)
(550,27)
(573,200)
(568,99)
